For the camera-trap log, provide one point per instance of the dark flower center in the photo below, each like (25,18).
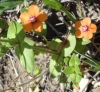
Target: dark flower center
(85,28)
(32,19)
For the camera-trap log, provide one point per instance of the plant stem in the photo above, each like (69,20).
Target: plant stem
(44,49)
(38,48)
(6,40)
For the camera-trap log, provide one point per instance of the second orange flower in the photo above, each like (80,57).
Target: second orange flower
(32,20)
(85,28)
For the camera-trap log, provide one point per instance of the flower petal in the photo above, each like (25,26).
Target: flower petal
(42,16)
(24,17)
(93,28)
(79,34)
(88,35)
(86,21)
(33,10)
(37,26)
(78,24)
(28,27)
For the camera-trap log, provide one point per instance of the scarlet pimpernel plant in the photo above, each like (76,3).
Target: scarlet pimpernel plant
(64,58)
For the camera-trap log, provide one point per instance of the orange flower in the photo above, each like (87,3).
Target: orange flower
(33,19)
(85,28)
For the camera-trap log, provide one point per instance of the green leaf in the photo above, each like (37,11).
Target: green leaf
(38,54)
(24,10)
(77,69)
(15,32)
(78,78)
(72,77)
(79,45)
(3,50)
(29,41)
(74,60)
(26,3)
(52,67)
(58,6)
(70,46)
(84,41)
(69,70)
(63,78)
(54,44)
(75,78)
(9,4)
(26,56)
(37,70)
(46,7)
(53,3)
(58,67)
(66,60)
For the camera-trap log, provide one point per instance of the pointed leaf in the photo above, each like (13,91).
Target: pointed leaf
(77,69)
(3,50)
(74,60)
(69,70)
(79,45)
(37,70)
(70,46)
(26,56)
(66,60)
(29,41)
(52,67)
(53,3)
(72,77)
(78,78)
(84,41)
(54,44)
(9,4)
(63,78)
(15,32)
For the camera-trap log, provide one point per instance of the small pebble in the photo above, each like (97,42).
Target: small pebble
(83,84)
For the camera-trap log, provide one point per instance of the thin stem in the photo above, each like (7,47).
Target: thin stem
(59,55)
(8,40)
(53,28)
(44,49)
(92,62)
(38,48)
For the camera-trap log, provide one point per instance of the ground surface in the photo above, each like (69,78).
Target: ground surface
(13,78)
